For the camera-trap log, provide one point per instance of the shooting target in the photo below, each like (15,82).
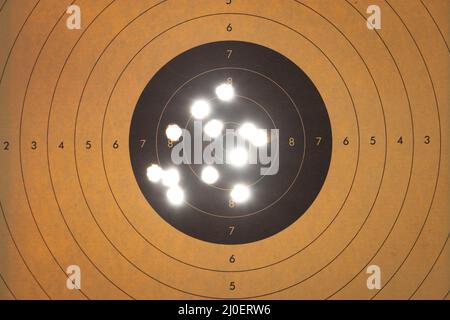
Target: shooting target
(224,149)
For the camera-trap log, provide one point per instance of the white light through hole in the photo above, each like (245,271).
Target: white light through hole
(173,132)
(225,92)
(238,157)
(210,175)
(200,109)
(154,173)
(247,130)
(170,177)
(260,138)
(257,137)
(175,195)
(213,128)
(240,193)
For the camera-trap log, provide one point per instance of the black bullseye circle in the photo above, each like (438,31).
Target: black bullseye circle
(271,92)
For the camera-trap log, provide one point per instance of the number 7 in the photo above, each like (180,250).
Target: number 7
(318,140)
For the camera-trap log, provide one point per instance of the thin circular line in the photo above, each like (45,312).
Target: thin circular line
(384,159)
(1,207)
(15,40)
(212,99)
(48,154)
(440,150)
(20,253)
(431,269)
(1,8)
(295,107)
(408,186)
(6,284)
(354,176)
(20,150)
(79,179)
(88,204)
(437,26)
(236,124)
(412,158)
(176,91)
(77,171)
(271,20)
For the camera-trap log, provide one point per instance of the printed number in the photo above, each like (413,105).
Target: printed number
(373,141)
(231,230)
(88,144)
(232,286)
(291,142)
(231,203)
(61,145)
(33,145)
(230,80)
(170,143)
(116,144)
(400,140)
(427,140)
(143,141)
(6,145)
(232,259)
(229,27)
(229,52)
(346,141)
(318,140)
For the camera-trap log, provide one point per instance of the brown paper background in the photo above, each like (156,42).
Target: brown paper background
(386,204)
